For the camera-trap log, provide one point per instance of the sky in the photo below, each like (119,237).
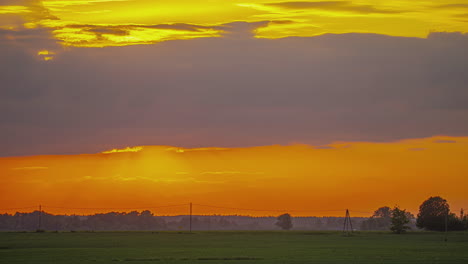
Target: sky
(299,179)
(351,90)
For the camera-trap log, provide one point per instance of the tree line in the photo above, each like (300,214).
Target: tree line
(434,215)
(147,221)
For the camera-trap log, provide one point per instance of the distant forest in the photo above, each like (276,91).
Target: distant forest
(434,215)
(146,221)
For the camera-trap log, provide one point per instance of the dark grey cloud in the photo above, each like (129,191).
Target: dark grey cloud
(36,8)
(347,6)
(100,32)
(456,6)
(20,35)
(124,29)
(240,30)
(324,147)
(464,15)
(15,2)
(234,92)
(34,37)
(445,141)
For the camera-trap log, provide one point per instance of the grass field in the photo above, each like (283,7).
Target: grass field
(233,247)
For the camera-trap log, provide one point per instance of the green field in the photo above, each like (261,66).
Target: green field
(233,247)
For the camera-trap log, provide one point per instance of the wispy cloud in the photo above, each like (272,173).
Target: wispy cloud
(88,35)
(31,168)
(346,6)
(324,147)
(454,6)
(442,141)
(104,23)
(64,3)
(230,173)
(14,10)
(127,149)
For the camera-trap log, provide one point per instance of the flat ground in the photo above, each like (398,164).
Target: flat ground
(233,247)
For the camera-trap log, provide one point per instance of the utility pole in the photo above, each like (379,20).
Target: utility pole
(22,221)
(347,226)
(17,220)
(40,217)
(190,219)
(446,225)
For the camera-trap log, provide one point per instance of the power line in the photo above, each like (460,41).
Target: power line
(18,208)
(190,228)
(266,210)
(361,212)
(40,218)
(119,208)
(185,204)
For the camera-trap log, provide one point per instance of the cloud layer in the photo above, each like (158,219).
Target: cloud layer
(233,91)
(346,6)
(102,23)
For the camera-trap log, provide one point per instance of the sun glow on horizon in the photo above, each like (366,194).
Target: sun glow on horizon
(362,175)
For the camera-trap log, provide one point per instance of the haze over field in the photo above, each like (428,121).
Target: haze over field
(308,105)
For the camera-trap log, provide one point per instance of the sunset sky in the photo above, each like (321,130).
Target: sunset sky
(306,106)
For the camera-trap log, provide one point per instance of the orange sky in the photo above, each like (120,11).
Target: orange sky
(82,76)
(361,176)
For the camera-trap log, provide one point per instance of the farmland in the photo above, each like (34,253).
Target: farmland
(233,247)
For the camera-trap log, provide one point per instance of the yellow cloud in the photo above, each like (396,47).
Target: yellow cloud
(135,22)
(229,173)
(64,3)
(45,52)
(46,55)
(123,35)
(127,149)
(13,10)
(343,6)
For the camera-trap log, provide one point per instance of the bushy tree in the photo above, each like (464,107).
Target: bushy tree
(434,214)
(383,212)
(399,221)
(380,220)
(464,219)
(284,221)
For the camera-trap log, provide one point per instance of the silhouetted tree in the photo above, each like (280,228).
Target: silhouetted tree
(400,221)
(383,212)
(284,221)
(146,221)
(380,220)
(410,216)
(434,214)
(463,219)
